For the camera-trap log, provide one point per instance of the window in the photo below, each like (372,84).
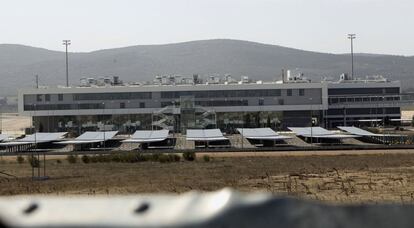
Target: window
(112,96)
(122,105)
(141,104)
(60,97)
(39,97)
(301,92)
(47,97)
(220,93)
(289,92)
(261,101)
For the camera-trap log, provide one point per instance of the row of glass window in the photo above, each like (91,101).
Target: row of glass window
(232,93)
(173,94)
(336,100)
(364,91)
(363,111)
(122,105)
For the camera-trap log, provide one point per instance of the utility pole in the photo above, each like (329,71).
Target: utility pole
(352,37)
(67,43)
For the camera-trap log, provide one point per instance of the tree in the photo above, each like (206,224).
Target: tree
(246,120)
(268,121)
(257,119)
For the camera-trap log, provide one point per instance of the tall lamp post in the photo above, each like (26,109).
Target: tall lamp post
(104,123)
(67,43)
(352,37)
(311,120)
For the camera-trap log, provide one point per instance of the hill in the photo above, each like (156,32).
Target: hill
(19,64)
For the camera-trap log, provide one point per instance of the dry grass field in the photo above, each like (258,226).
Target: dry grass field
(339,178)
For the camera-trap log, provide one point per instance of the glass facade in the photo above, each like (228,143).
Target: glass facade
(193,109)
(134,100)
(76,125)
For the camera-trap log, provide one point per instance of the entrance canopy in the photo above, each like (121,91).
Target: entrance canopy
(261,134)
(40,137)
(205,135)
(148,136)
(318,132)
(91,137)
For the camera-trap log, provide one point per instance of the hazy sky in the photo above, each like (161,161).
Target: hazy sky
(382,26)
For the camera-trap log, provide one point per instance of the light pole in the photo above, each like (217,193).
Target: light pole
(311,120)
(383,120)
(103,121)
(67,43)
(79,120)
(352,37)
(344,109)
(1,120)
(34,132)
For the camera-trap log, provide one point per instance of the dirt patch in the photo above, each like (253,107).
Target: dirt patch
(333,178)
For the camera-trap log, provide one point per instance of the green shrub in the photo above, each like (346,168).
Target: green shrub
(86,159)
(155,157)
(130,157)
(72,158)
(162,158)
(176,157)
(206,158)
(20,159)
(189,156)
(142,158)
(116,158)
(33,161)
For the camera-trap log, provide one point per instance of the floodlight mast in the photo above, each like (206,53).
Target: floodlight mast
(67,43)
(352,37)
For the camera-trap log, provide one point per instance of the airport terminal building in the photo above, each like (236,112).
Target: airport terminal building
(179,103)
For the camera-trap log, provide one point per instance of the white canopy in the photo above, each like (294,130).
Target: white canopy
(318,132)
(91,137)
(371,120)
(205,135)
(148,136)
(43,137)
(362,132)
(3,137)
(39,137)
(261,134)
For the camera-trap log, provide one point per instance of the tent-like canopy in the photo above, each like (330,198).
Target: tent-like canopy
(261,134)
(318,132)
(148,136)
(39,137)
(362,132)
(91,137)
(205,135)
(3,137)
